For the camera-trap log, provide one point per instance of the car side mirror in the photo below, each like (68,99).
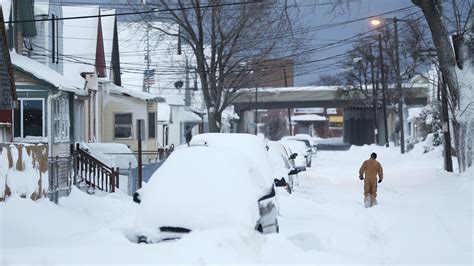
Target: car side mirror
(294,172)
(293,156)
(280,182)
(137,197)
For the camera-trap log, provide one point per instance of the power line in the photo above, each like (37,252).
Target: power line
(134,13)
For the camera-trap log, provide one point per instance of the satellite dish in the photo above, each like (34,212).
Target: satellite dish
(178,84)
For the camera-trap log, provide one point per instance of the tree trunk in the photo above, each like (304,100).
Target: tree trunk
(214,120)
(432,10)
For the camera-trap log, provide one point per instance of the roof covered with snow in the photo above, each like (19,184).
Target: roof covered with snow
(188,116)
(114,89)
(46,74)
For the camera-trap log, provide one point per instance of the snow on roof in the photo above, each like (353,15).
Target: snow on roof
(132,93)
(303,88)
(164,113)
(80,40)
(6,6)
(188,116)
(45,73)
(308,118)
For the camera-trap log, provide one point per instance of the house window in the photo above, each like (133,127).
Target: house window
(123,126)
(60,118)
(29,118)
(151,125)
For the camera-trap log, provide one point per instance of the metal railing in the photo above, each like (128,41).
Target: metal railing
(94,172)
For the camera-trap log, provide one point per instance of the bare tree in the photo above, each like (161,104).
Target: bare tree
(328,80)
(227,38)
(358,74)
(439,24)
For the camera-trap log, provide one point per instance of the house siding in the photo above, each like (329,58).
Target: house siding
(123,104)
(152,143)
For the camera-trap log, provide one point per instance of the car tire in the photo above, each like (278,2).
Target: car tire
(260,228)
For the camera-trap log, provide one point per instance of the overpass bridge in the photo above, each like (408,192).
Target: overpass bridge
(415,94)
(320,96)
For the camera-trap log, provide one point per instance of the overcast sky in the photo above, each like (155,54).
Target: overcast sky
(320,16)
(355,10)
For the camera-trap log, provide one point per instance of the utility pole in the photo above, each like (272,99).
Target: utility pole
(139,155)
(399,87)
(382,76)
(289,111)
(187,90)
(146,81)
(256,109)
(374,96)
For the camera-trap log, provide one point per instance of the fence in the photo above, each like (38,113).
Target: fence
(60,177)
(23,170)
(151,161)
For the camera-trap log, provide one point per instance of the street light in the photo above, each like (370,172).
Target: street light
(377,22)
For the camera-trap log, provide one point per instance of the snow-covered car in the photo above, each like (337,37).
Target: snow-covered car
(299,153)
(280,160)
(254,150)
(199,188)
(309,141)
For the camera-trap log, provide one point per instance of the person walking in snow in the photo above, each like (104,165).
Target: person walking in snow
(371,168)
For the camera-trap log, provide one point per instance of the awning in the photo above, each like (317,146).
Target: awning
(188,116)
(308,118)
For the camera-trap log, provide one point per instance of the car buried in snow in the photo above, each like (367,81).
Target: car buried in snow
(310,143)
(201,187)
(282,163)
(299,154)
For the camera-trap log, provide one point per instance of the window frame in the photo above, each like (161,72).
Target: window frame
(132,135)
(154,126)
(60,118)
(43,114)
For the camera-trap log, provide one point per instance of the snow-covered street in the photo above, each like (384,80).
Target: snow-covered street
(424,216)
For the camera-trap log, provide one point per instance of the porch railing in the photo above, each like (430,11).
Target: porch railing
(94,172)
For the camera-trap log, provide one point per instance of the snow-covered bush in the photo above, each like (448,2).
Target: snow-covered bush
(429,122)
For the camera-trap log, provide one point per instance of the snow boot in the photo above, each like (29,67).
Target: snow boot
(374,202)
(367,202)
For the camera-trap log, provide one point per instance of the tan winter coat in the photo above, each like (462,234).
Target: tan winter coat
(371,168)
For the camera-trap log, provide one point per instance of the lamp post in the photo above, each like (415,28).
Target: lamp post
(382,81)
(374,96)
(378,22)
